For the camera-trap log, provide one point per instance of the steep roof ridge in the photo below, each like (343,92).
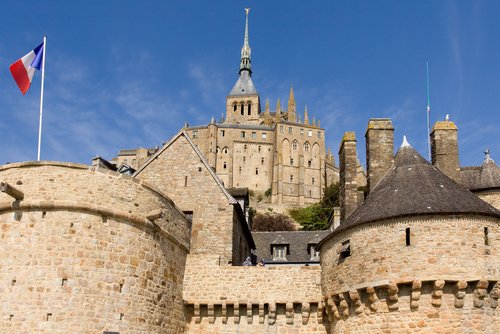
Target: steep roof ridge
(200,155)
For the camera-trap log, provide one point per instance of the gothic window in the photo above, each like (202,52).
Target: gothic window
(225,150)
(306,147)
(294,145)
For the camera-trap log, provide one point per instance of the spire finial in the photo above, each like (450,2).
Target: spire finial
(487,156)
(267,107)
(405,142)
(245,64)
(306,116)
(291,106)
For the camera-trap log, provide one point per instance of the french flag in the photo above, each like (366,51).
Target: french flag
(24,69)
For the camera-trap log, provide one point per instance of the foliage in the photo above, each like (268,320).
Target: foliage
(268,193)
(315,216)
(267,222)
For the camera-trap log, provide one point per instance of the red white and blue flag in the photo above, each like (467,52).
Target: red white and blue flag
(24,69)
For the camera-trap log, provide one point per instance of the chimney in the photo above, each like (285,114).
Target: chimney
(444,149)
(348,169)
(379,150)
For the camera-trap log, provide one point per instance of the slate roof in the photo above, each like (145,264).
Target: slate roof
(244,85)
(415,187)
(484,177)
(298,242)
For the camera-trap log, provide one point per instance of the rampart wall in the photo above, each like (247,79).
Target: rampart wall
(442,278)
(85,252)
(233,299)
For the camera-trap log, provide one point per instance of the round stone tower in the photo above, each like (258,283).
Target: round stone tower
(422,254)
(85,251)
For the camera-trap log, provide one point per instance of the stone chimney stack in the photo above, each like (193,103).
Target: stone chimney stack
(379,150)
(444,149)
(348,171)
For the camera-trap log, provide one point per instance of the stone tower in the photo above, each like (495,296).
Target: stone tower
(243,102)
(444,149)
(348,167)
(379,150)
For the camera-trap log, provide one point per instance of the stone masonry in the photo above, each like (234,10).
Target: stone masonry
(380,149)
(444,149)
(85,252)
(348,175)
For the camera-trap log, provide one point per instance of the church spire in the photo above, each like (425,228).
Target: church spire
(246,64)
(291,106)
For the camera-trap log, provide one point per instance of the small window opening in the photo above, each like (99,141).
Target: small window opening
(225,165)
(185,181)
(262,161)
(408,241)
(309,163)
(121,287)
(64,281)
(43,214)
(312,181)
(291,161)
(486,238)
(11,317)
(256,171)
(259,148)
(291,178)
(199,169)
(234,108)
(249,109)
(241,110)
(239,169)
(13,282)
(121,316)
(49,316)
(345,251)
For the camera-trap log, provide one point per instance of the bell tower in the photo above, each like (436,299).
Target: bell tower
(243,102)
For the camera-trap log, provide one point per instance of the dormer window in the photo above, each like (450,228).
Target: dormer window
(313,253)
(279,252)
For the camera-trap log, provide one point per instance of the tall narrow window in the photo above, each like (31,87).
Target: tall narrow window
(486,238)
(262,161)
(290,130)
(235,106)
(259,149)
(185,181)
(249,109)
(241,109)
(291,178)
(291,161)
(408,240)
(312,181)
(257,171)
(225,165)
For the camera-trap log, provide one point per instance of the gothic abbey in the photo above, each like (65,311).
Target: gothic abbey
(160,248)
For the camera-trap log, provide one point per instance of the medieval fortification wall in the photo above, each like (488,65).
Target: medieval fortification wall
(442,278)
(86,252)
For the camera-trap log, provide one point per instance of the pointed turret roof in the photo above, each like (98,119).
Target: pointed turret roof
(414,187)
(484,177)
(244,85)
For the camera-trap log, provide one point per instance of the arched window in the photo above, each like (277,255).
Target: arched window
(294,145)
(249,109)
(235,107)
(241,109)
(306,147)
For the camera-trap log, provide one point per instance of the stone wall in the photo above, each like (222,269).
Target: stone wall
(86,252)
(181,174)
(230,299)
(443,275)
(491,197)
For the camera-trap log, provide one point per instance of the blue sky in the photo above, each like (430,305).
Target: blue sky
(127,74)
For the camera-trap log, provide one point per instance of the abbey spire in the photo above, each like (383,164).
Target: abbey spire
(246,64)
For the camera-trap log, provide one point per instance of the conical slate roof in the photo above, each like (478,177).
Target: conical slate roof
(244,85)
(484,177)
(414,187)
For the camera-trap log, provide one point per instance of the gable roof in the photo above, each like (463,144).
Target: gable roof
(486,176)
(414,187)
(182,133)
(297,241)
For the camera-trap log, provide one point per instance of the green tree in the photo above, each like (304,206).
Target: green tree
(267,222)
(315,216)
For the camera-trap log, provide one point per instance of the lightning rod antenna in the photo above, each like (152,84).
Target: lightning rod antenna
(428,115)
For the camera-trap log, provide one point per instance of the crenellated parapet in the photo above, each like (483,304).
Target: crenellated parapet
(413,296)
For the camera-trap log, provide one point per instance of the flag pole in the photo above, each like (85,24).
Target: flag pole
(41,97)
(428,115)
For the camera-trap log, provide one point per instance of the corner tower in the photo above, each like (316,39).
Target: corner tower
(243,102)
